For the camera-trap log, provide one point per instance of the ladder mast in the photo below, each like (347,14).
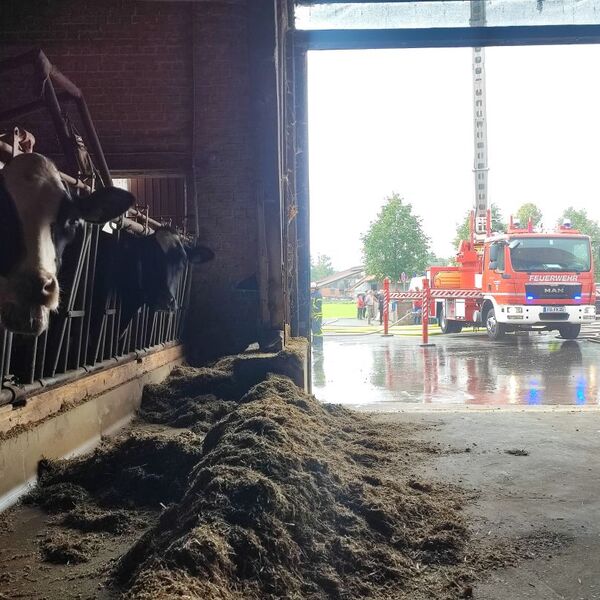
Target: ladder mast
(480,154)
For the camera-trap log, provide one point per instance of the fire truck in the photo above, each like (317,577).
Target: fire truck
(518,280)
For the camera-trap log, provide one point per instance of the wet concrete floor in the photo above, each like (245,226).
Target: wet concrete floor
(376,373)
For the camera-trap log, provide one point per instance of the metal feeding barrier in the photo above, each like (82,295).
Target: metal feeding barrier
(82,337)
(66,350)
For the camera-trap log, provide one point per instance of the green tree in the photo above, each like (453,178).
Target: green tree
(395,242)
(462,229)
(527,211)
(582,222)
(320,267)
(437,261)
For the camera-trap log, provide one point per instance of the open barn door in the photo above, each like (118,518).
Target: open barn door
(293,170)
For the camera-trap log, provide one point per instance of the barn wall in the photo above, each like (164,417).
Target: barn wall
(132,60)
(170,85)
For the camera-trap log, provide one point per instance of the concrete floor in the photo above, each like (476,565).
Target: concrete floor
(376,373)
(534,392)
(555,489)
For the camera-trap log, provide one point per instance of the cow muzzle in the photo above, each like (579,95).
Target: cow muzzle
(165,303)
(26,302)
(29,320)
(35,288)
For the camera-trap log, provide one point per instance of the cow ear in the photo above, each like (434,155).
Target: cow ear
(199,254)
(104,204)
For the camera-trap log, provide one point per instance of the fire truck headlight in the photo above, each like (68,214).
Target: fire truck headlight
(589,310)
(514,310)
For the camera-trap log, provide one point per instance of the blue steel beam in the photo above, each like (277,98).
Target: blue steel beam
(446,37)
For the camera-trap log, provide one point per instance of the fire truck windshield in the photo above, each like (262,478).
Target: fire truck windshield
(557,254)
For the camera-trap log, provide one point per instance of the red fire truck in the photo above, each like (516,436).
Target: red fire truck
(518,280)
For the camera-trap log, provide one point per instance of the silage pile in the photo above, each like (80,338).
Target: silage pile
(294,500)
(280,498)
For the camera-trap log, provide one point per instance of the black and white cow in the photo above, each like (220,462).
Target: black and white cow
(144,270)
(38,219)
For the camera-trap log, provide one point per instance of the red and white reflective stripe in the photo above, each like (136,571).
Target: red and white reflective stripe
(406,295)
(458,294)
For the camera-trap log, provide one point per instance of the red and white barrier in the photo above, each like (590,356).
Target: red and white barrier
(426,295)
(386,306)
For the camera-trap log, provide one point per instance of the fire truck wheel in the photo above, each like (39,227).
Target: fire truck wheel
(442,321)
(448,326)
(495,330)
(569,331)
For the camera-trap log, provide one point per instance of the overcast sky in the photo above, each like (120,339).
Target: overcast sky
(384,121)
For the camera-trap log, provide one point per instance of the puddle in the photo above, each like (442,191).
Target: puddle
(370,372)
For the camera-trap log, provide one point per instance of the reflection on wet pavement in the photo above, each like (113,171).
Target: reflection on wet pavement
(371,372)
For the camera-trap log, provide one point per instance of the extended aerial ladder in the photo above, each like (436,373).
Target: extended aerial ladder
(469,256)
(480,155)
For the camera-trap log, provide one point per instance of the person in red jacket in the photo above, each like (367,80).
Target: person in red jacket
(360,306)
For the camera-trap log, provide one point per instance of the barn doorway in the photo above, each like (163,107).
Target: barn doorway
(346,35)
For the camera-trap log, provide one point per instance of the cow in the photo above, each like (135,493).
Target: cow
(142,270)
(39,217)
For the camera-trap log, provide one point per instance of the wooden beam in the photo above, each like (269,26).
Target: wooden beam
(50,402)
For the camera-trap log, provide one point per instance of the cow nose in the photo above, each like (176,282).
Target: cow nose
(48,287)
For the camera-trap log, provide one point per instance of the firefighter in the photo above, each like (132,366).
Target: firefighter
(317,315)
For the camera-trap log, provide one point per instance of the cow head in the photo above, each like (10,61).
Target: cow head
(38,219)
(170,256)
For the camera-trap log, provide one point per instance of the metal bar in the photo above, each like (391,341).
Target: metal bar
(3,346)
(152,328)
(33,358)
(42,363)
(66,365)
(84,295)
(13,393)
(147,328)
(99,356)
(113,350)
(49,94)
(447,37)
(94,141)
(64,82)
(134,227)
(302,195)
(8,353)
(135,337)
(90,280)
(133,212)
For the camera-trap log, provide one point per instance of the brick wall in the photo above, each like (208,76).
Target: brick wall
(169,85)
(133,62)
(224,169)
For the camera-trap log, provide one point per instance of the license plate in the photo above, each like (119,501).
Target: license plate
(554,309)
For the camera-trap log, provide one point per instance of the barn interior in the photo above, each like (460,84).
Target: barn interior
(254,490)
